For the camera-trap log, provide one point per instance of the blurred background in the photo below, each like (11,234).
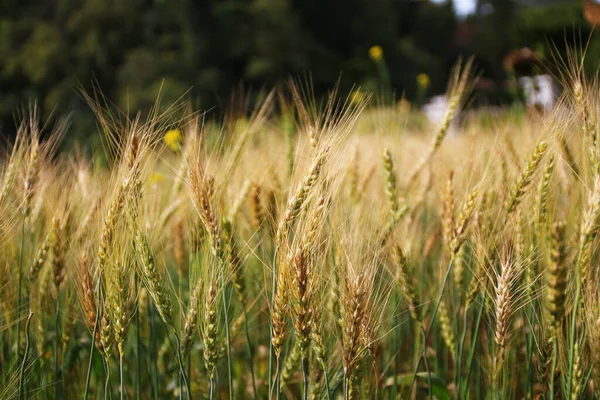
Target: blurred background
(204,50)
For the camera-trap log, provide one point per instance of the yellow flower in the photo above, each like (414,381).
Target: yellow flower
(376,53)
(423,80)
(156,178)
(173,139)
(356,96)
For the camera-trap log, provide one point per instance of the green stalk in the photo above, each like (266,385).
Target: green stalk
(473,345)
(18,310)
(276,382)
(396,348)
(249,350)
(89,371)
(38,371)
(326,383)
(179,382)
(22,372)
(263,256)
(428,332)
(217,383)
(56,344)
(121,375)
(345,386)
(458,371)
(528,355)
(305,377)
(107,391)
(181,368)
(574,327)
(189,371)
(553,371)
(426,362)
(152,353)
(417,344)
(138,383)
(273,290)
(229,374)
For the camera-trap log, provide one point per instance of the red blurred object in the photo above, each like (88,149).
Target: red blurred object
(521,61)
(591,11)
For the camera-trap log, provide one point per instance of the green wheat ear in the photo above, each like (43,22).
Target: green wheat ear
(153,280)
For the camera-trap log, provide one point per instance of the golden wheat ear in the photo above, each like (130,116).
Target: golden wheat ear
(556,278)
(153,279)
(459,88)
(525,178)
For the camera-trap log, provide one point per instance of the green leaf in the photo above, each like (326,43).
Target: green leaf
(438,385)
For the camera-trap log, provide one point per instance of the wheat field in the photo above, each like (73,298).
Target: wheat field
(306,250)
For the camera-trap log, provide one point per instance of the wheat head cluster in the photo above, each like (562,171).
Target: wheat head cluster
(306,250)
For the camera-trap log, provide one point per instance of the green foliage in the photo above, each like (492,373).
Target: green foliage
(133,49)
